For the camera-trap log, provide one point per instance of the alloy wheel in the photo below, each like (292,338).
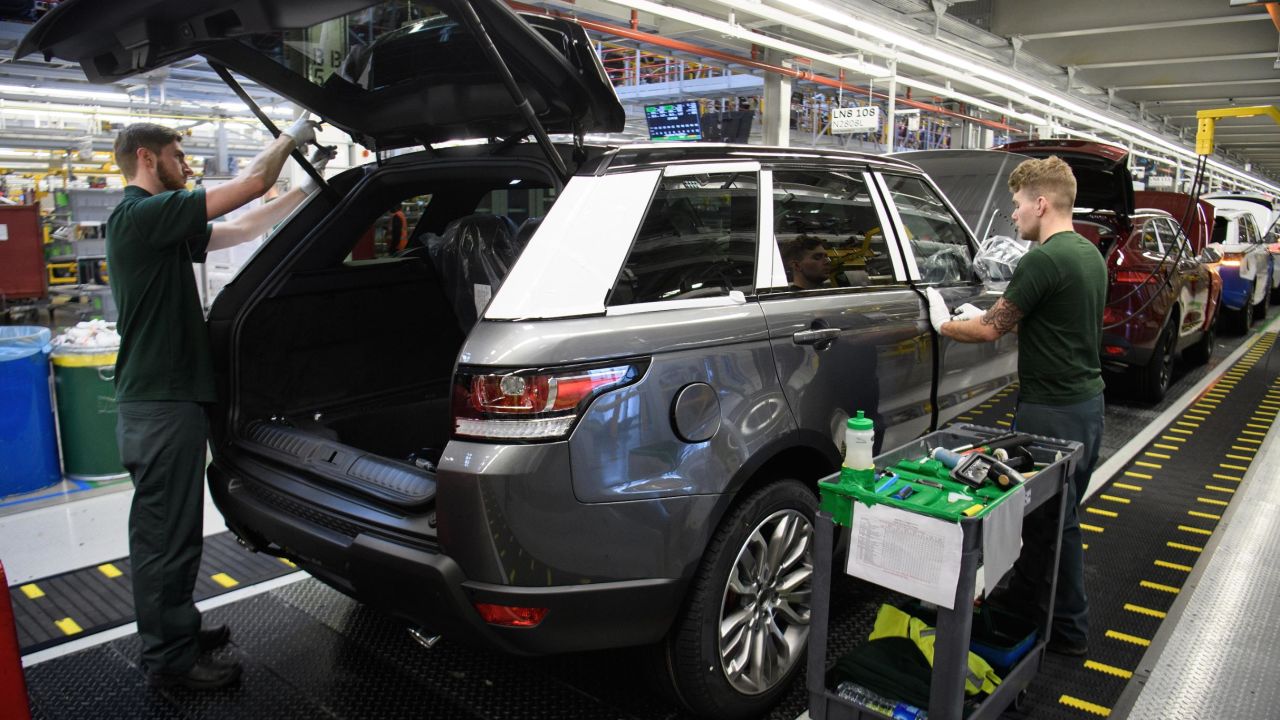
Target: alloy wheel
(764,618)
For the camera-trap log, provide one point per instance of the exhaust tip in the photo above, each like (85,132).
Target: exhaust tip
(424,638)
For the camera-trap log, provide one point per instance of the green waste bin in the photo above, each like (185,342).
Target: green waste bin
(84,379)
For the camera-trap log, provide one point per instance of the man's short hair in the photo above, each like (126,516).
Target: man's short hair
(141,135)
(1050,177)
(798,246)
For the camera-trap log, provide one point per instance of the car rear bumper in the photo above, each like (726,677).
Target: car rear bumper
(1236,291)
(428,589)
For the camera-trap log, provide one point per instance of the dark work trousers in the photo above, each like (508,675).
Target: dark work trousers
(1081,422)
(162,445)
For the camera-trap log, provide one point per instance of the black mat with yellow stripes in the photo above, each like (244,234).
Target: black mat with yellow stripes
(64,607)
(1145,531)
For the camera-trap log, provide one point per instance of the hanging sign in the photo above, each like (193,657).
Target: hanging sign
(855,119)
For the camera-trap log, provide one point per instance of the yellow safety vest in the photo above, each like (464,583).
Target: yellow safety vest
(892,622)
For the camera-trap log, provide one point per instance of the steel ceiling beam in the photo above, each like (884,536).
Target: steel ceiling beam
(1147,27)
(1178,60)
(1212,83)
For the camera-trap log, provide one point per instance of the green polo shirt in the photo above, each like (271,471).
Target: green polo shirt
(152,240)
(1061,287)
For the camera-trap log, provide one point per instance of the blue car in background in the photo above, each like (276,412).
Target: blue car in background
(1246,268)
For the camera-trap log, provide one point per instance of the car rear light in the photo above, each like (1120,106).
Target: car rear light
(1112,316)
(531,404)
(510,615)
(1135,277)
(1113,350)
(1231,263)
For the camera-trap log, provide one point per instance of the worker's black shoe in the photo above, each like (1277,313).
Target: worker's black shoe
(205,674)
(1061,646)
(213,638)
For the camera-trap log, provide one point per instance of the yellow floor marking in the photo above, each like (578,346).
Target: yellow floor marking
(1196,530)
(1184,423)
(1254,433)
(1211,501)
(1108,669)
(1238,457)
(1092,528)
(1249,440)
(1140,476)
(32,591)
(964,418)
(1085,705)
(1181,431)
(287,561)
(1256,425)
(68,626)
(1008,415)
(1181,546)
(1143,611)
(1133,639)
(110,570)
(1219,488)
(1173,566)
(1114,499)
(225,580)
(1232,467)
(1004,423)
(1157,586)
(1127,486)
(1104,513)
(1164,447)
(1161,456)
(1215,393)
(1232,478)
(1084,545)
(1172,439)
(1143,463)
(1205,515)
(1197,414)
(1244,449)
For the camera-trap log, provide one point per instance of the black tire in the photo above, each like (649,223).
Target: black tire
(692,668)
(1260,310)
(1275,295)
(1199,353)
(1153,380)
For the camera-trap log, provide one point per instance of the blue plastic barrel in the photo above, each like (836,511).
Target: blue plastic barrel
(28,443)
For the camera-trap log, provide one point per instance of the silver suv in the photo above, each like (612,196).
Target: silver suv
(587,404)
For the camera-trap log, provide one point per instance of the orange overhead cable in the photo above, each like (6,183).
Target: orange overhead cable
(700,51)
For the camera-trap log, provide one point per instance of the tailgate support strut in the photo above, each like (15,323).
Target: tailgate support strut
(225,74)
(476,27)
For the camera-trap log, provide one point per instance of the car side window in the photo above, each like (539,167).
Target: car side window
(936,238)
(697,239)
(1150,237)
(1250,231)
(828,231)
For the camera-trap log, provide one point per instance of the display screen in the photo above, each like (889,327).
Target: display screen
(673,121)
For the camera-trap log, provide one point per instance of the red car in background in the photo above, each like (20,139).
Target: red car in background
(1161,299)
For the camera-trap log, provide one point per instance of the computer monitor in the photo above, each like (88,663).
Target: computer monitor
(673,121)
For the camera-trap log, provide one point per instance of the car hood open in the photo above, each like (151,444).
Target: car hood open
(421,84)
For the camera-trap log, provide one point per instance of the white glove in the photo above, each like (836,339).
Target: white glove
(303,130)
(938,311)
(319,158)
(968,311)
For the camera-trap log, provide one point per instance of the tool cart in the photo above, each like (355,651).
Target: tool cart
(1054,461)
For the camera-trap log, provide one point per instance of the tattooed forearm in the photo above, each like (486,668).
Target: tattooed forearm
(1004,315)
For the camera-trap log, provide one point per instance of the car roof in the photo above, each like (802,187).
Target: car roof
(652,155)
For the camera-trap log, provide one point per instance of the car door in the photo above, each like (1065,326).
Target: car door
(1193,286)
(938,250)
(853,341)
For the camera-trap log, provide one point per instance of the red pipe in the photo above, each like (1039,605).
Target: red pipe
(808,75)
(635,19)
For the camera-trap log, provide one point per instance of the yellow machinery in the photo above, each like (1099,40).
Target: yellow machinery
(1207,119)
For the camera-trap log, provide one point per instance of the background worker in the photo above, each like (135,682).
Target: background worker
(164,376)
(1055,303)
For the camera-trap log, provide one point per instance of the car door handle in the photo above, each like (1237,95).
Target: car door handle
(813,337)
